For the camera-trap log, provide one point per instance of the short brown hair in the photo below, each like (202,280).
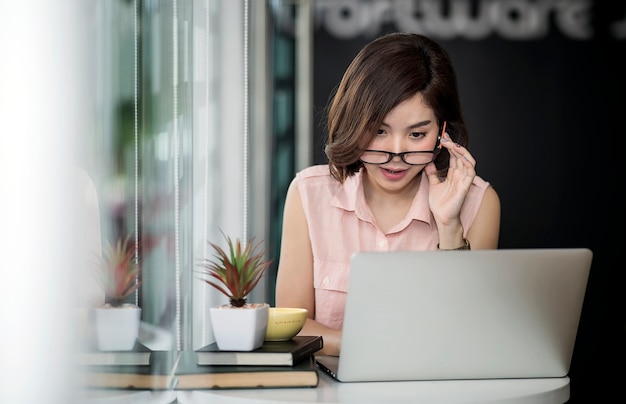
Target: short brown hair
(387,71)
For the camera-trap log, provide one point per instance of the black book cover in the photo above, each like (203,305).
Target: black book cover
(271,353)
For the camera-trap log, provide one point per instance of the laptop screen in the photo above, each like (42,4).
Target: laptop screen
(476,314)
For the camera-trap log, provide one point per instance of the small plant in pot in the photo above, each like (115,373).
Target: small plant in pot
(238,325)
(118,274)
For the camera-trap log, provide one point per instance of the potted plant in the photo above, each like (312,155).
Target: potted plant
(237,325)
(116,321)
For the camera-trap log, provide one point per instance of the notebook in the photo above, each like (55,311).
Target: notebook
(480,314)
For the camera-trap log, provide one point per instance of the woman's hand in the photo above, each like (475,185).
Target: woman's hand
(446,197)
(331,337)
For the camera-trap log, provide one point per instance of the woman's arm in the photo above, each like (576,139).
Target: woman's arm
(294,282)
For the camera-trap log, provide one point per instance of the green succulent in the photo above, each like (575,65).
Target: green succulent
(238,272)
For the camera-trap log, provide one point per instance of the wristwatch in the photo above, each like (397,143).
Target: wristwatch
(465,246)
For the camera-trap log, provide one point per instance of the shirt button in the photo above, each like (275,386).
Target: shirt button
(325,281)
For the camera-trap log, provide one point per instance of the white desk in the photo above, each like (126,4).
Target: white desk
(107,396)
(501,391)
(518,391)
(513,391)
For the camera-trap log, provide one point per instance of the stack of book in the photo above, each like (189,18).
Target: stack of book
(275,364)
(140,368)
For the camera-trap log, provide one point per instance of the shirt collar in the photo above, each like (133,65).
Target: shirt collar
(350,197)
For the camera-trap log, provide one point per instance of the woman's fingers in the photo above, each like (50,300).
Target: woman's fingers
(460,157)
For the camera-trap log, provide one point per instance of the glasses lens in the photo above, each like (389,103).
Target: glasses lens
(374,157)
(418,157)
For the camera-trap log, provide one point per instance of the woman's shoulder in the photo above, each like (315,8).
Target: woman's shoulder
(474,198)
(315,176)
(316,183)
(483,189)
(315,171)
(480,182)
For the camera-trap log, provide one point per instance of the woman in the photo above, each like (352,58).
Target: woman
(399,177)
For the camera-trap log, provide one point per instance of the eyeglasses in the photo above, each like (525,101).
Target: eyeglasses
(413,158)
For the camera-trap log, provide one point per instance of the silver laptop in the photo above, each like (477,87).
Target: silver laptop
(481,314)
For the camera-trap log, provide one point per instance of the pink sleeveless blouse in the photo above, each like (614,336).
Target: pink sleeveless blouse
(341,223)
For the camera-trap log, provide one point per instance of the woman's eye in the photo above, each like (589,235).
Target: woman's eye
(380,132)
(417,134)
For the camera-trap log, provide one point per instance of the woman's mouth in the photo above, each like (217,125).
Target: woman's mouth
(393,174)
(393,170)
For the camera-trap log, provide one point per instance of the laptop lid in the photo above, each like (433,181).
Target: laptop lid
(477,314)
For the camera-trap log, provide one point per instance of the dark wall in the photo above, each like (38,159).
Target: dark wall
(545,110)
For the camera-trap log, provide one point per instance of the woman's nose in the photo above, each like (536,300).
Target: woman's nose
(397,144)
(396,157)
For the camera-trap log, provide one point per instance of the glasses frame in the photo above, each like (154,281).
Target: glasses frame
(390,155)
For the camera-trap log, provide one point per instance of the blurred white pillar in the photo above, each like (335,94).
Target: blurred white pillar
(44,110)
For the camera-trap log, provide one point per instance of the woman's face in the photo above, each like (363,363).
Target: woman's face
(410,126)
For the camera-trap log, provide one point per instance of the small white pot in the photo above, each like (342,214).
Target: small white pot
(116,328)
(239,328)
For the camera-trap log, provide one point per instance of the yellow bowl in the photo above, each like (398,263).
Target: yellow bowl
(284,323)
